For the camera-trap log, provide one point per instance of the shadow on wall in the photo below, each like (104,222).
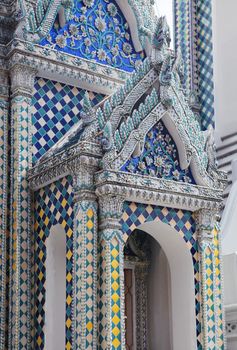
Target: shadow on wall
(55,289)
(177,270)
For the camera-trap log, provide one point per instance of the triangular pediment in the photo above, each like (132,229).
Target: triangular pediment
(158,157)
(95,30)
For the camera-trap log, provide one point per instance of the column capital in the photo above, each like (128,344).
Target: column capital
(206,221)
(83,179)
(111,208)
(22,80)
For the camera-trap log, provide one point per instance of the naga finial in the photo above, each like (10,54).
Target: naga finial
(87,114)
(161,36)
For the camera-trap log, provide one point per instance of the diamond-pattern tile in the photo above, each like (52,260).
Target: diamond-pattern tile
(53,205)
(86,224)
(115,294)
(101,296)
(55,109)
(209,304)
(193,35)
(205,61)
(218,292)
(3,208)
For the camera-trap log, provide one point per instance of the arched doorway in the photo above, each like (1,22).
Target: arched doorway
(55,299)
(159,290)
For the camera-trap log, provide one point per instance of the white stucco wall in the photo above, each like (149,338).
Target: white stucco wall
(181,281)
(225,69)
(159,300)
(55,289)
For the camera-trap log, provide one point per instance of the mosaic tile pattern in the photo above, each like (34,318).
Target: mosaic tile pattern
(115,294)
(55,109)
(209,304)
(53,205)
(183,38)
(3,214)
(182,221)
(218,292)
(101,296)
(205,61)
(193,35)
(109,294)
(20,224)
(159,157)
(85,274)
(97,30)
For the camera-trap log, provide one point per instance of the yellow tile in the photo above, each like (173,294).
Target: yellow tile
(115,319)
(90,213)
(89,224)
(115,275)
(89,326)
(68,323)
(115,308)
(114,253)
(115,297)
(116,343)
(115,264)
(115,286)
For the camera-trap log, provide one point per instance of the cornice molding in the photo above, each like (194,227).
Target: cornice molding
(144,189)
(70,161)
(68,69)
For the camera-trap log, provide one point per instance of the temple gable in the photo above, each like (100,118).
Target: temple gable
(159,157)
(95,30)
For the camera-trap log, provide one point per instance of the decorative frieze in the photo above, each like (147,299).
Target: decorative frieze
(151,190)
(66,68)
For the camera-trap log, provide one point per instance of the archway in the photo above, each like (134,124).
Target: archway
(55,289)
(172,264)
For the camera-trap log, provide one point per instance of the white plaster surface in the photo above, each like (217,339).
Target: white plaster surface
(55,289)
(159,300)
(230,279)
(182,284)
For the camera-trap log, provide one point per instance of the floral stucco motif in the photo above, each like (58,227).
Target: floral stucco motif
(96,30)
(159,157)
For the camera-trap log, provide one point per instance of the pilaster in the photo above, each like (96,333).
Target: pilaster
(4,108)
(210,280)
(22,83)
(111,330)
(85,258)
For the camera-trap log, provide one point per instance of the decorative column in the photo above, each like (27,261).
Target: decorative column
(210,283)
(85,257)
(141,287)
(111,330)
(22,83)
(4,107)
